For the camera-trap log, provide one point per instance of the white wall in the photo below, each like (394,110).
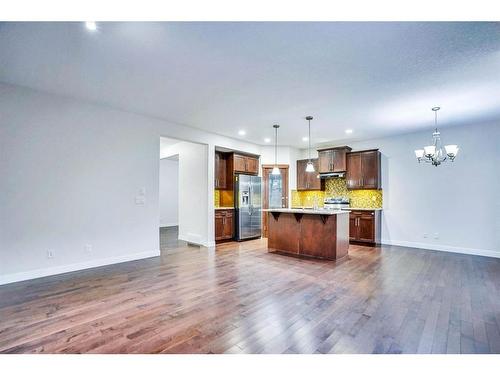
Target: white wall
(193,186)
(70,174)
(169,192)
(458,201)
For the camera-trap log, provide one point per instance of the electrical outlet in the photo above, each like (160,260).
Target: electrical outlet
(88,248)
(426,235)
(140,200)
(436,236)
(51,254)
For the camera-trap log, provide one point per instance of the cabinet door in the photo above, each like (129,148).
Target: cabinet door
(228,225)
(353,175)
(313,180)
(366,227)
(252,165)
(220,171)
(219,225)
(370,163)
(325,161)
(216,170)
(239,163)
(353,226)
(338,158)
(301,175)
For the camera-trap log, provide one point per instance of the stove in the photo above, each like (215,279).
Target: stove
(336,203)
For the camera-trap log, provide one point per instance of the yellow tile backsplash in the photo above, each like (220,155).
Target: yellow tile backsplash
(217,198)
(223,198)
(336,187)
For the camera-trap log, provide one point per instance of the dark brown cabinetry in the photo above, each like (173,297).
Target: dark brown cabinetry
(224,224)
(245,164)
(364,226)
(363,170)
(220,171)
(308,180)
(333,159)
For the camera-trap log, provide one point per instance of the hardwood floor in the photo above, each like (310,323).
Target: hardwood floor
(241,299)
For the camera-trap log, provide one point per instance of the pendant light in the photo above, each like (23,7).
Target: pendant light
(310,165)
(276,170)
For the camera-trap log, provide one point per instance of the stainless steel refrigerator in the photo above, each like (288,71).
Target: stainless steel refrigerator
(248,205)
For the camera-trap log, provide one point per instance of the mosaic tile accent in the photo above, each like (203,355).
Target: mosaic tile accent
(307,198)
(227,198)
(223,198)
(217,198)
(337,187)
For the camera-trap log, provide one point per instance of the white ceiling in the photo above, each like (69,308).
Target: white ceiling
(375,78)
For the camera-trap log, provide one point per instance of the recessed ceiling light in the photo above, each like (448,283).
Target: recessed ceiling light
(348,131)
(267,140)
(91,26)
(242,132)
(305,139)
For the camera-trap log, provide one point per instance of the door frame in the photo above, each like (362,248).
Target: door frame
(265,192)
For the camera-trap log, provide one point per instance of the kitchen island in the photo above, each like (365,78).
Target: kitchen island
(314,233)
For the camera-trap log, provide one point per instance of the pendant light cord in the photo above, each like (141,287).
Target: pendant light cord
(276,146)
(309,138)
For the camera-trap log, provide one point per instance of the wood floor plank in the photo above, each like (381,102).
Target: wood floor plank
(239,298)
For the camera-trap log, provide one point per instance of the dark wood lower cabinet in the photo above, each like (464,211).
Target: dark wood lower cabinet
(364,226)
(224,224)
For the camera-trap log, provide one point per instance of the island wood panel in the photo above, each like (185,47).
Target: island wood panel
(283,233)
(318,239)
(309,235)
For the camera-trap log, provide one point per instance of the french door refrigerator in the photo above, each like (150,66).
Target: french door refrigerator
(248,206)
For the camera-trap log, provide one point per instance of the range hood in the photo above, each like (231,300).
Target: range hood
(332,175)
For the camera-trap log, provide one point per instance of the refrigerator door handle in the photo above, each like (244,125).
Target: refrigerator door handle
(250,199)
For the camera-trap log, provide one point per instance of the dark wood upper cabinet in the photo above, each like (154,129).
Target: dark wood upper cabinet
(308,180)
(370,167)
(239,163)
(363,170)
(333,159)
(245,164)
(252,165)
(353,173)
(220,171)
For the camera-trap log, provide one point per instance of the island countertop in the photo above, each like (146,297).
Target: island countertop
(306,211)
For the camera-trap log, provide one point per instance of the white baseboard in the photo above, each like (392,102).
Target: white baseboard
(195,241)
(34,274)
(162,225)
(446,248)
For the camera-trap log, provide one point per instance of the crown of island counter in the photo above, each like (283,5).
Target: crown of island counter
(314,233)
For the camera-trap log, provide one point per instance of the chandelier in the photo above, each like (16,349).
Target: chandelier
(435,154)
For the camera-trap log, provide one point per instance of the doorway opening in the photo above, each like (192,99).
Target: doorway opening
(183,194)
(275,191)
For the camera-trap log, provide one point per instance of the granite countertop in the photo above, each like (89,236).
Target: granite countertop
(306,211)
(224,208)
